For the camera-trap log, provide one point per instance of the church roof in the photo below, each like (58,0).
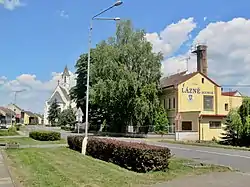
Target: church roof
(66,72)
(66,95)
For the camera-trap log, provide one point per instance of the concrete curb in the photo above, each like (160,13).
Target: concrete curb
(14,181)
(43,146)
(9,137)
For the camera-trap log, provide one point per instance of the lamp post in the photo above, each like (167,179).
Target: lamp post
(15,92)
(117,3)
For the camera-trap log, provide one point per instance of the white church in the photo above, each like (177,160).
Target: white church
(61,95)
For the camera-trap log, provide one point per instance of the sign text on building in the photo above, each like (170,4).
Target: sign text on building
(194,91)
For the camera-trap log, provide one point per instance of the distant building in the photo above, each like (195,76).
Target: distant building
(18,112)
(40,118)
(6,115)
(196,105)
(30,118)
(61,95)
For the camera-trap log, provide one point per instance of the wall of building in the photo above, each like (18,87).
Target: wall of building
(26,119)
(207,133)
(169,101)
(192,92)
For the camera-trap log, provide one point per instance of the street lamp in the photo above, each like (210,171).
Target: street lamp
(16,92)
(117,3)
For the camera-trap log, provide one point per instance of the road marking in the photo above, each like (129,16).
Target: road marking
(210,152)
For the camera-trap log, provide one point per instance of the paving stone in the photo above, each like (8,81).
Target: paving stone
(3,171)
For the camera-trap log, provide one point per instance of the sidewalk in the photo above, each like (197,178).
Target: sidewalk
(228,179)
(5,179)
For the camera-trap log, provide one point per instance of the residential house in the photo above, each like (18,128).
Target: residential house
(18,112)
(40,118)
(29,118)
(6,115)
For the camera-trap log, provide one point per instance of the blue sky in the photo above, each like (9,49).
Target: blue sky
(42,36)
(35,39)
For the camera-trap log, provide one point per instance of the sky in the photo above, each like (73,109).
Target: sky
(38,38)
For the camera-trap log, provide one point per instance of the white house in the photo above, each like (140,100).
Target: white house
(61,95)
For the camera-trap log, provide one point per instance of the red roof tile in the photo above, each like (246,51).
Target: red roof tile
(179,78)
(229,93)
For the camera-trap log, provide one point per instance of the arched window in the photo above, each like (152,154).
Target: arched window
(65,79)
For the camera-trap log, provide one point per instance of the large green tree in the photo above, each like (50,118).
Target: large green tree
(53,113)
(67,117)
(124,78)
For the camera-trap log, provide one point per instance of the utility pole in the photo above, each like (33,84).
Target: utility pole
(15,96)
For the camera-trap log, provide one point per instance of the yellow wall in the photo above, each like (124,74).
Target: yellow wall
(169,95)
(207,133)
(26,119)
(198,89)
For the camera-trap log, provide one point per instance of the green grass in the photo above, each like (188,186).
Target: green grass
(30,141)
(8,133)
(34,167)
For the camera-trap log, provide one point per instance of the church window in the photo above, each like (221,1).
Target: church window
(65,79)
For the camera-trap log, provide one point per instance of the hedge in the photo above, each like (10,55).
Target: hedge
(138,157)
(45,135)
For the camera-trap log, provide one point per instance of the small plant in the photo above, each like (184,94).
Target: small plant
(45,135)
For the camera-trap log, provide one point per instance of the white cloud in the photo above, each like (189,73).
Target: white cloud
(11,4)
(36,91)
(228,51)
(172,37)
(63,14)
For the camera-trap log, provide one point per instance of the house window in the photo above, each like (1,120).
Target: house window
(214,124)
(208,102)
(173,102)
(164,104)
(202,80)
(226,106)
(169,103)
(187,125)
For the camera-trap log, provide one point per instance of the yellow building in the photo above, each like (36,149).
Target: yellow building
(29,118)
(195,104)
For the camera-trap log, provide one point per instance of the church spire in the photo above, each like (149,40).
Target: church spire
(66,72)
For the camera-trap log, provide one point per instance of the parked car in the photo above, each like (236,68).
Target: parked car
(5,126)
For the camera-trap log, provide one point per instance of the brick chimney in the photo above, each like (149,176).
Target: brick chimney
(201,52)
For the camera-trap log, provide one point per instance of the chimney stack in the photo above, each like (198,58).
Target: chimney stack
(201,52)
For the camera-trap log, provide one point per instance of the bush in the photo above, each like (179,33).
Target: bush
(12,130)
(45,135)
(137,157)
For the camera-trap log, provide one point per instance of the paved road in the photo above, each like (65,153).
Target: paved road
(239,160)
(228,179)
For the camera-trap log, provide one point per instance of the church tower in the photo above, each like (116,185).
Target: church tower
(66,79)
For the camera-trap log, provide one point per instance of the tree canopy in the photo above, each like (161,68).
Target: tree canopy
(67,117)
(53,112)
(124,78)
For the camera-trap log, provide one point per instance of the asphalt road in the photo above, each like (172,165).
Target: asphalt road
(239,160)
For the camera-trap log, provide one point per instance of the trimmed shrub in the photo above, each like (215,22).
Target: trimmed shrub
(45,135)
(137,157)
